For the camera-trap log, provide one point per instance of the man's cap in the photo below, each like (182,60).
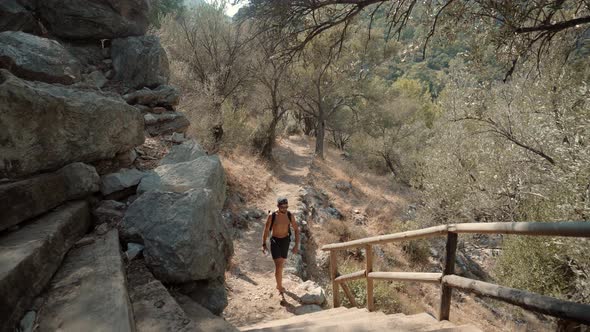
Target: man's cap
(282,200)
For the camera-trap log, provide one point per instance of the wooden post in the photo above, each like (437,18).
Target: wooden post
(349,294)
(369,269)
(333,275)
(446,291)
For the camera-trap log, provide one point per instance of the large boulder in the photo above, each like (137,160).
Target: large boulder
(164,95)
(140,61)
(184,237)
(95,19)
(15,16)
(22,200)
(202,173)
(37,59)
(187,151)
(211,294)
(45,126)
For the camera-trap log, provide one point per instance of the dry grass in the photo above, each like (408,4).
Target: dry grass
(246,175)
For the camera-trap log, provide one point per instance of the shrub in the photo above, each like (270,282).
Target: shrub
(535,264)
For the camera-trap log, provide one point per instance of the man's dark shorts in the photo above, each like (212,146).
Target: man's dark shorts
(279,247)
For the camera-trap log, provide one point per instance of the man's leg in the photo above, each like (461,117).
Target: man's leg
(279,263)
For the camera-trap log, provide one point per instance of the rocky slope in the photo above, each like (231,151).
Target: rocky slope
(86,114)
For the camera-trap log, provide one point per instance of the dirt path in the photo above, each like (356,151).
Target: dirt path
(252,295)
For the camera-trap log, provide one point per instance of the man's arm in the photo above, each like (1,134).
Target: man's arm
(296,230)
(266,230)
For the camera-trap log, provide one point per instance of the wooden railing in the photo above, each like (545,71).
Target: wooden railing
(547,305)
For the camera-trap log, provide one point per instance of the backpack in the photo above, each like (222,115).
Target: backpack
(274,216)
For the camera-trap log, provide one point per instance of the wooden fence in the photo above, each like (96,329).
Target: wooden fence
(544,304)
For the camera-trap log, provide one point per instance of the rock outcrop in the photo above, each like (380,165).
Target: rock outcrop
(165,95)
(32,197)
(140,61)
(88,19)
(15,16)
(48,126)
(37,59)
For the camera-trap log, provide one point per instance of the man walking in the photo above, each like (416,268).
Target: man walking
(280,223)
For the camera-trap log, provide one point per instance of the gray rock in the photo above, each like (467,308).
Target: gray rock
(109,74)
(31,255)
(149,118)
(47,126)
(121,180)
(179,125)
(97,79)
(322,259)
(184,237)
(164,96)
(154,309)
(89,291)
(22,200)
(88,19)
(177,138)
(28,322)
(140,61)
(126,158)
(307,309)
(310,293)
(187,151)
(37,59)
(102,229)
(15,17)
(202,173)
(109,212)
(88,54)
(211,294)
(133,250)
(334,213)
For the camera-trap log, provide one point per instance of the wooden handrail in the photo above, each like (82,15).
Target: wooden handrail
(406,276)
(351,276)
(573,228)
(543,304)
(535,302)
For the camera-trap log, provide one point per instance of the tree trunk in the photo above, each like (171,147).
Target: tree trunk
(266,152)
(320,133)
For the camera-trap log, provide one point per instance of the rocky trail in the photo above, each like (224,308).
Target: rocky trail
(251,285)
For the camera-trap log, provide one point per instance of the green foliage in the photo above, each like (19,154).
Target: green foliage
(385,293)
(534,264)
(160,8)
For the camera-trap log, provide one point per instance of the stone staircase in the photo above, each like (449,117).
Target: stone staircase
(358,320)
(61,278)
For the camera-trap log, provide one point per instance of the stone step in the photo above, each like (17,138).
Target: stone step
(30,256)
(418,322)
(89,291)
(327,318)
(460,328)
(203,318)
(154,309)
(330,313)
(358,322)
